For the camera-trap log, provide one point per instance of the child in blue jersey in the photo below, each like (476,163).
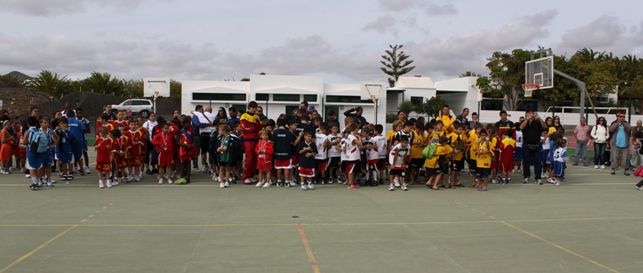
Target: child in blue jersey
(64,149)
(559,158)
(77,131)
(283,140)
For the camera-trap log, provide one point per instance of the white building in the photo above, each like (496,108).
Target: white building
(279,94)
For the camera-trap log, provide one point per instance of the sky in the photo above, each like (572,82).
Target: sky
(339,40)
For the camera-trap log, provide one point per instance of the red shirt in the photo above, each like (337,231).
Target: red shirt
(103,150)
(268,147)
(163,142)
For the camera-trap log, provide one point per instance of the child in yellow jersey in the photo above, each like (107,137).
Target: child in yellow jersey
(493,140)
(438,165)
(417,159)
(397,126)
(484,155)
(471,151)
(458,140)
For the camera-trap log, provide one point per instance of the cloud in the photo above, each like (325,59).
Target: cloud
(400,5)
(46,8)
(440,9)
(453,55)
(386,24)
(430,7)
(604,33)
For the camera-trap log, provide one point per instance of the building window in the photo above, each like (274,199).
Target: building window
(262,97)
(286,97)
(491,104)
(417,100)
(219,96)
(346,99)
(310,98)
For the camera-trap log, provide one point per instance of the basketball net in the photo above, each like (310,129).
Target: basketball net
(529,89)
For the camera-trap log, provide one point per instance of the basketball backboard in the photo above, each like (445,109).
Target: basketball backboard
(156,86)
(540,72)
(372,91)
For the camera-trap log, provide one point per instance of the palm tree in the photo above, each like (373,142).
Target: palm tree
(103,83)
(50,82)
(396,63)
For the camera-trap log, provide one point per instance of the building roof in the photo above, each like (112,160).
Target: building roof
(414,83)
(463,84)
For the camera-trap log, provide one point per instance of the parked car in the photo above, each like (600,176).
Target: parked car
(140,107)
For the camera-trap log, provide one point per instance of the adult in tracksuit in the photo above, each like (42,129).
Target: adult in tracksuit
(250,126)
(532,128)
(77,131)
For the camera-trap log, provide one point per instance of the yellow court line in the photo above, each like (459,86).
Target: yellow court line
(561,247)
(309,251)
(30,253)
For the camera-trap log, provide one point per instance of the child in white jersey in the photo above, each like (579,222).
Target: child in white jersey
(560,155)
(351,149)
(382,150)
(518,150)
(335,155)
(398,159)
(321,157)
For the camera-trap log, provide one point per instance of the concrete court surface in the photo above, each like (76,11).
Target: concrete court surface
(591,223)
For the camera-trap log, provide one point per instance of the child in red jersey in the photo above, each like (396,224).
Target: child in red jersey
(264,149)
(121,147)
(163,144)
(506,148)
(134,162)
(103,147)
(186,149)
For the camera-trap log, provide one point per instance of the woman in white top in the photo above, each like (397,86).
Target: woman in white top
(600,134)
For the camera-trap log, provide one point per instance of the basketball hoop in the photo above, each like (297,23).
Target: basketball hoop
(529,89)
(156,94)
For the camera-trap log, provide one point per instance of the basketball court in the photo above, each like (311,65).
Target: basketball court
(590,223)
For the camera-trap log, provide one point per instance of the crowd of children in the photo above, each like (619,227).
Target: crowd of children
(298,150)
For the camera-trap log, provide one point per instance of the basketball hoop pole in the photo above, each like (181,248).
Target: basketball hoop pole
(583,91)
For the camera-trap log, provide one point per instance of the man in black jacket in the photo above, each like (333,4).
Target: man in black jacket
(356,114)
(532,128)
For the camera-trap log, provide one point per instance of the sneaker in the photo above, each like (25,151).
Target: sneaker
(396,182)
(391,187)
(311,186)
(404,187)
(247,181)
(267,184)
(86,171)
(354,186)
(494,181)
(557,183)
(508,181)
(259,184)
(160,181)
(221,185)
(525,181)
(169,181)
(3,172)
(551,180)
(613,172)
(303,187)
(292,184)
(602,167)
(639,187)
(539,181)
(27,176)
(595,166)
(226,184)
(109,184)
(49,184)
(115,183)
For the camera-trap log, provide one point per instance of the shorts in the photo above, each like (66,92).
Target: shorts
(417,163)
(559,169)
(397,172)
(64,157)
(322,164)
(36,161)
(103,167)
(334,162)
(350,167)
(77,150)
(472,165)
(518,154)
(264,165)
(432,171)
(283,164)
(483,172)
(306,172)
(457,165)
(383,163)
(204,143)
(134,162)
(224,164)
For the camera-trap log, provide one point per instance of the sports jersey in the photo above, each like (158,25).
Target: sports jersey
(380,142)
(344,146)
(332,151)
(519,139)
(103,149)
(459,144)
(305,161)
(401,152)
(398,136)
(484,153)
(372,153)
(320,141)
(545,143)
(283,140)
(560,154)
(417,145)
(77,130)
(352,150)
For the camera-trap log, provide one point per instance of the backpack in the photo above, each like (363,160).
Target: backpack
(36,145)
(429,150)
(459,145)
